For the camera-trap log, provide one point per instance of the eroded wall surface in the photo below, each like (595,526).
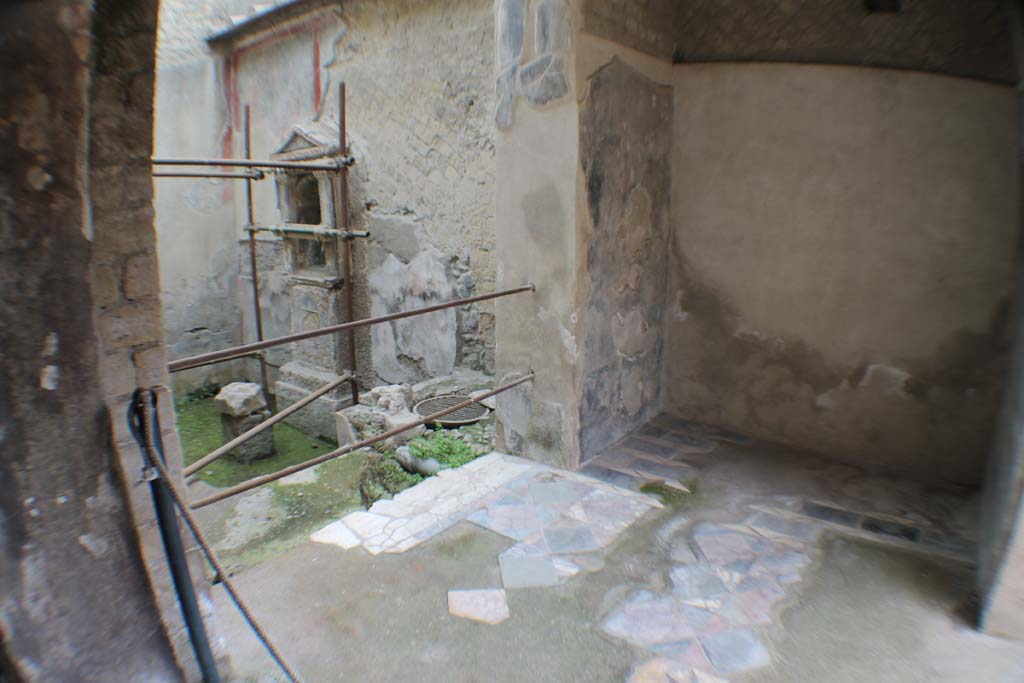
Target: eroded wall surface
(842,260)
(625,147)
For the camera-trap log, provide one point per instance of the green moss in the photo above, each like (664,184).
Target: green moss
(441,446)
(672,496)
(200,430)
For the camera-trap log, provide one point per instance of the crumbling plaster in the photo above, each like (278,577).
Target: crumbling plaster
(842,260)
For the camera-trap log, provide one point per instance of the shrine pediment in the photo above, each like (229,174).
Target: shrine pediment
(308,141)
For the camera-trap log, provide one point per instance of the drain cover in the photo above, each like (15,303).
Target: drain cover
(462,416)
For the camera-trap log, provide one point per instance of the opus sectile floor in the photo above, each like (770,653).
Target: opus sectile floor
(551,514)
(731,563)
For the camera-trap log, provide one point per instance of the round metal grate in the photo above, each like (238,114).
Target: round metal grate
(462,416)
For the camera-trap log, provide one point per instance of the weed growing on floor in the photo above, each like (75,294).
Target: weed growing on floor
(445,449)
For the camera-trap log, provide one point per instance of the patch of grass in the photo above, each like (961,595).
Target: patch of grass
(671,496)
(446,449)
(200,430)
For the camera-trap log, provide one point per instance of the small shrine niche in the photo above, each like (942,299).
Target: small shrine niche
(316,290)
(306,202)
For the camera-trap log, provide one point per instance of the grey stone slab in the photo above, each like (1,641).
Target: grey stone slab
(696,581)
(831,515)
(642,445)
(682,553)
(647,619)
(560,491)
(735,651)
(571,540)
(527,571)
(884,527)
(781,526)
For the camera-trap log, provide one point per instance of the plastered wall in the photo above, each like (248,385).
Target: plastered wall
(842,253)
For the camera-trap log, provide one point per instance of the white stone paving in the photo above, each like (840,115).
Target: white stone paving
(425,510)
(435,504)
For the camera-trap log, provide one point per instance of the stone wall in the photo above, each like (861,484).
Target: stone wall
(420,106)
(958,38)
(843,254)
(78,534)
(625,144)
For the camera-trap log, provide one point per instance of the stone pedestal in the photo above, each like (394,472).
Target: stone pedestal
(258,447)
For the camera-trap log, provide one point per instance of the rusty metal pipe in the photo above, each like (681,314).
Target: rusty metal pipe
(263,426)
(252,175)
(345,450)
(246,349)
(300,230)
(257,163)
(254,270)
(341,211)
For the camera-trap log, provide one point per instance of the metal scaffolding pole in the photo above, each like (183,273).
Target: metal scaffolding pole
(253,175)
(345,450)
(257,163)
(254,270)
(245,349)
(341,221)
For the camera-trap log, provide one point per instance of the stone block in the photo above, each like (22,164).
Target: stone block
(258,447)
(357,422)
(130,324)
(316,419)
(140,277)
(240,399)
